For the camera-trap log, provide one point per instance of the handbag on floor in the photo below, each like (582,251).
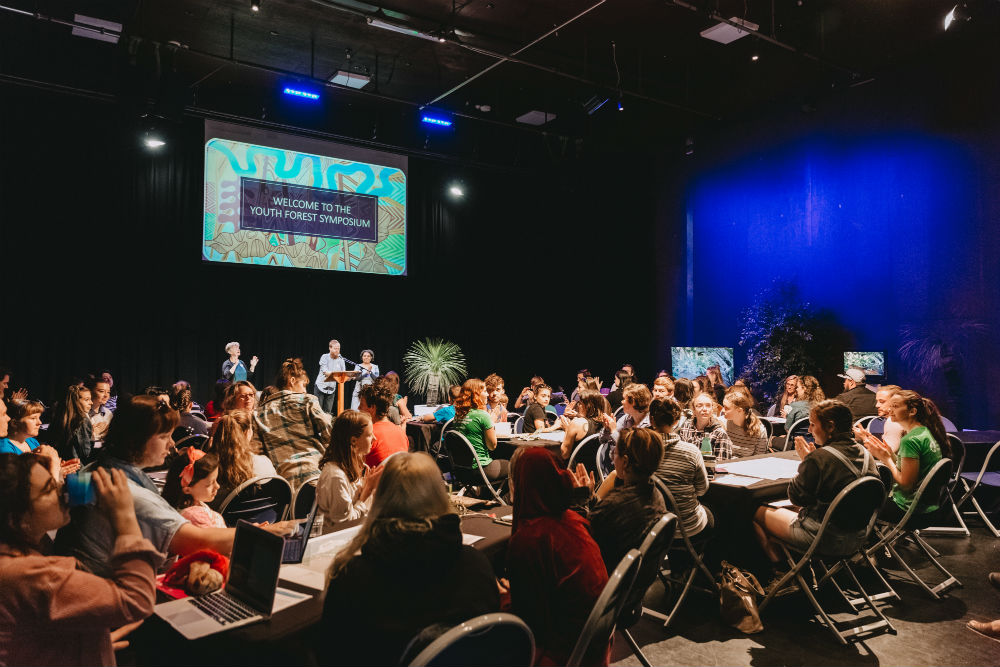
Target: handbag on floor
(738,591)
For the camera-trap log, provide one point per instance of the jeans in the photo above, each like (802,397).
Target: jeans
(327,402)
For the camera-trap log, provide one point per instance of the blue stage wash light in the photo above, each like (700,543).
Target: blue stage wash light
(295,92)
(434,120)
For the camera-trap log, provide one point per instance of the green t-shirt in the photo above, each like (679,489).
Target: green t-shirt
(474,427)
(917,444)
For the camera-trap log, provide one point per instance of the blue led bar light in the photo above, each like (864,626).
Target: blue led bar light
(432,120)
(294,92)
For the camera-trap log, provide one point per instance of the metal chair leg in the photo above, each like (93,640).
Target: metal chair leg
(635,648)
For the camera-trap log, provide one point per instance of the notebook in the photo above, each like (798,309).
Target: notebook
(248,595)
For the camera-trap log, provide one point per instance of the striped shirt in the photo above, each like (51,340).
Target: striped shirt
(747,444)
(682,470)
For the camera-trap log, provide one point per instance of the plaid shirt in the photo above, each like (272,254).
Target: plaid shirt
(293,432)
(722,445)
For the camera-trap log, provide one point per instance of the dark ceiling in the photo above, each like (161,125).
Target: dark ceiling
(222,56)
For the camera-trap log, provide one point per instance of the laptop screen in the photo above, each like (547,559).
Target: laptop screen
(254,566)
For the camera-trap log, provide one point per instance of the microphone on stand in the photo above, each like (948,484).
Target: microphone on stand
(358,366)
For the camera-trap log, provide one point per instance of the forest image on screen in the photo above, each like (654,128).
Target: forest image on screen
(275,207)
(690,362)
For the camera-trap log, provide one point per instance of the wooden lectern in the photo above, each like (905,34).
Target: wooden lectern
(341,378)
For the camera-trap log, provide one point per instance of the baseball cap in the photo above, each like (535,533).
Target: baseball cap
(855,374)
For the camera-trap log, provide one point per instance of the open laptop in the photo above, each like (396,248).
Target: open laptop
(295,546)
(248,595)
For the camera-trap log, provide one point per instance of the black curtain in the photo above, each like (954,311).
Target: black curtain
(540,269)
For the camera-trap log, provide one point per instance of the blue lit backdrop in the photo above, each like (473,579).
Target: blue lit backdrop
(877,229)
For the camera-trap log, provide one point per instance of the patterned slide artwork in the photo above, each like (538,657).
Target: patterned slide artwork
(275,207)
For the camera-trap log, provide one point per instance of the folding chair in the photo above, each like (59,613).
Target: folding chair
(768,428)
(799,427)
(652,551)
(933,486)
(985,477)
(193,440)
(304,498)
(600,624)
(257,500)
(619,412)
(519,425)
(465,467)
(489,640)
(587,452)
(864,492)
(697,563)
(958,456)
(864,421)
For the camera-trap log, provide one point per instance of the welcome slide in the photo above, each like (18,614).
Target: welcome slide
(275,199)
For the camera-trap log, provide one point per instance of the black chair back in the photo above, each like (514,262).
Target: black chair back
(885,474)
(585,452)
(799,427)
(652,551)
(194,440)
(601,622)
(305,498)
(264,499)
(462,457)
(491,640)
(855,510)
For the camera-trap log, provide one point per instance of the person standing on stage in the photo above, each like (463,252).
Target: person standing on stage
(325,391)
(235,370)
(369,372)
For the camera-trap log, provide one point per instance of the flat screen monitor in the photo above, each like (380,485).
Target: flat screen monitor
(690,362)
(873,363)
(280,200)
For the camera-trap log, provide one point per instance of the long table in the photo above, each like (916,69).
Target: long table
(977,446)
(285,638)
(733,508)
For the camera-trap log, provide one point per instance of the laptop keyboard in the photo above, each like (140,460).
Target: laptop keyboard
(223,608)
(292,550)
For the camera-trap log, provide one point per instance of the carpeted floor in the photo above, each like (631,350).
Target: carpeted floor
(930,632)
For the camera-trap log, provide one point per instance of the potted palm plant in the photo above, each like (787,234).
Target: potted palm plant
(431,364)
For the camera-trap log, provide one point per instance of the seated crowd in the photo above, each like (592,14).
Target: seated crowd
(96,580)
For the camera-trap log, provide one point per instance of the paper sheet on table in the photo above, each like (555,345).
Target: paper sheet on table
(304,575)
(771,467)
(736,480)
(781,503)
(330,543)
(553,435)
(471,539)
(285,598)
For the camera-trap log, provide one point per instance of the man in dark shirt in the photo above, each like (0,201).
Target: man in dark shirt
(859,398)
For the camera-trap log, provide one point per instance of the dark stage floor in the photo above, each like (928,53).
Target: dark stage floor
(929,632)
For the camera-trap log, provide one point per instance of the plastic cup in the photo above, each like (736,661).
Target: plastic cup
(80,489)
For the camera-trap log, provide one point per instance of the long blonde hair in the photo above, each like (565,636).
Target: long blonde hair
(409,494)
(231,445)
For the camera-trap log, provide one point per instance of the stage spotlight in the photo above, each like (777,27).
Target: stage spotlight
(456,191)
(621,107)
(754,57)
(153,142)
(255,5)
(959,12)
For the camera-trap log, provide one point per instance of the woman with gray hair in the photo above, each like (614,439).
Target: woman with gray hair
(235,370)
